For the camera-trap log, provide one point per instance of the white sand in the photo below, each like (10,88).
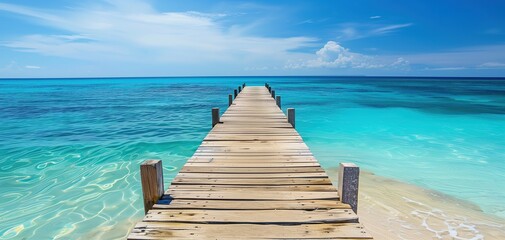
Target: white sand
(391,209)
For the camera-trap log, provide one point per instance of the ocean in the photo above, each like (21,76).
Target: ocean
(70,149)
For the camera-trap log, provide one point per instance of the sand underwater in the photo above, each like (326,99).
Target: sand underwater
(70,149)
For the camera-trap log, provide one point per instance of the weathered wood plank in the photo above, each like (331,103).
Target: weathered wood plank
(208,169)
(252,204)
(219,163)
(223,187)
(253,194)
(253,181)
(156,230)
(251,176)
(252,216)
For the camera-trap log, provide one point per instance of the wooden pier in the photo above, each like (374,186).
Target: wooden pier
(252,177)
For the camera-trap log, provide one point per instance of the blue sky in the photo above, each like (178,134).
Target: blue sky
(62,38)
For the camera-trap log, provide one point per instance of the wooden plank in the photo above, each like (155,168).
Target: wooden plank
(251,176)
(253,144)
(251,164)
(156,230)
(252,204)
(255,158)
(250,137)
(252,216)
(253,194)
(224,187)
(208,169)
(253,181)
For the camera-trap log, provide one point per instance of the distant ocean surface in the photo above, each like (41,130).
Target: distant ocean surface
(70,149)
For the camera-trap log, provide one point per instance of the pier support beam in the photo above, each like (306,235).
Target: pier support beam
(348,182)
(291,116)
(278,101)
(230,99)
(215,116)
(151,175)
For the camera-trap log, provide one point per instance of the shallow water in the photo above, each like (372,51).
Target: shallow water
(70,149)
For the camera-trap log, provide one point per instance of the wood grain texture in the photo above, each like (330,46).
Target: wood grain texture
(157,230)
(253,177)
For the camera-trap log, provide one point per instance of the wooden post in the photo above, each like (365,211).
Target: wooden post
(348,182)
(215,116)
(235,93)
(266,85)
(243,85)
(151,175)
(269,88)
(291,116)
(230,99)
(278,101)
(239,89)
(273,94)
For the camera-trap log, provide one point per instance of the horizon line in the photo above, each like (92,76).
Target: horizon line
(259,76)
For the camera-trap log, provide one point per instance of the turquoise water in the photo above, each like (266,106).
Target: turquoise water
(70,149)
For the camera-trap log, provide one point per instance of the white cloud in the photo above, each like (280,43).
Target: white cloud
(446,69)
(492,65)
(375,17)
(491,56)
(334,55)
(352,31)
(389,28)
(134,32)
(401,63)
(32,67)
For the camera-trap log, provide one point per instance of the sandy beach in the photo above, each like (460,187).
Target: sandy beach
(391,209)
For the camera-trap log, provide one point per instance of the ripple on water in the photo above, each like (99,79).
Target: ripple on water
(77,152)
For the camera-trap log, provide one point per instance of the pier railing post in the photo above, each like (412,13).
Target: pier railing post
(291,116)
(273,94)
(348,182)
(230,99)
(151,175)
(278,101)
(243,85)
(239,89)
(235,93)
(215,116)
(269,89)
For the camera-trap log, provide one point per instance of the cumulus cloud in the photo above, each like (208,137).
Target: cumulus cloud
(334,55)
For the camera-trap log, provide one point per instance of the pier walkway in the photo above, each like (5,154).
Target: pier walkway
(253,177)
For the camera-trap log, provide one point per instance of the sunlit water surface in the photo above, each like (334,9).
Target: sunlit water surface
(70,149)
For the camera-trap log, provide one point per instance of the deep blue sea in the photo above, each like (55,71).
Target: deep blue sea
(70,149)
